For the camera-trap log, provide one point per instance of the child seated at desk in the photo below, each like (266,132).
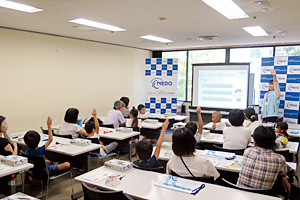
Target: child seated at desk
(142,110)
(144,150)
(133,121)
(216,119)
(184,162)
(236,136)
(251,120)
(115,116)
(70,126)
(126,109)
(5,144)
(32,140)
(92,128)
(261,166)
(281,135)
(193,126)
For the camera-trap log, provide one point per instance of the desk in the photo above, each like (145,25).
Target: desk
(140,184)
(206,115)
(113,134)
(210,124)
(19,195)
(7,183)
(64,151)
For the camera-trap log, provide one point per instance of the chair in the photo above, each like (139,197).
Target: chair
(63,136)
(286,154)
(39,164)
(153,169)
(236,151)
(107,125)
(260,191)
(207,179)
(45,131)
(5,153)
(92,194)
(216,131)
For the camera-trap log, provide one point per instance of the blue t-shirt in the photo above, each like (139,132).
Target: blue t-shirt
(151,163)
(40,152)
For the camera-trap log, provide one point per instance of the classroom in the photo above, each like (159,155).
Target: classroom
(49,64)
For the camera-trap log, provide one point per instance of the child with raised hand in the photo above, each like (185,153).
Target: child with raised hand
(92,128)
(216,119)
(32,140)
(193,126)
(281,135)
(144,150)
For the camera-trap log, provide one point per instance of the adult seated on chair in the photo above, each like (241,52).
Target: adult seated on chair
(92,128)
(184,162)
(5,145)
(115,115)
(261,167)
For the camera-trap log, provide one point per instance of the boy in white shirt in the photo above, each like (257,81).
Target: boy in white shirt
(216,119)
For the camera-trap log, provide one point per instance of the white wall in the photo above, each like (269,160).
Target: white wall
(43,75)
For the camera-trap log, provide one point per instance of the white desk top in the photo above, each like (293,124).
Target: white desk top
(210,124)
(6,170)
(66,148)
(161,116)
(115,135)
(140,184)
(222,164)
(207,111)
(151,125)
(19,195)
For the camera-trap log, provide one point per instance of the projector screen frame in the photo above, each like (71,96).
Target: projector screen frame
(219,64)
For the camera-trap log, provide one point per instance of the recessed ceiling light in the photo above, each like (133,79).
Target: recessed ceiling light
(155,38)
(265,9)
(91,23)
(208,37)
(19,6)
(258,2)
(256,31)
(227,8)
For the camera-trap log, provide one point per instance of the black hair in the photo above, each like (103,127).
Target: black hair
(192,126)
(236,117)
(32,139)
(184,142)
(134,112)
(140,106)
(250,114)
(71,115)
(89,126)
(1,120)
(144,149)
(125,100)
(283,126)
(271,82)
(264,137)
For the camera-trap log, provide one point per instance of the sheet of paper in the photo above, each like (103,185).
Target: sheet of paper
(98,176)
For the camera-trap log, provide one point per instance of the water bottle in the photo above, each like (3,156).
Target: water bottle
(79,121)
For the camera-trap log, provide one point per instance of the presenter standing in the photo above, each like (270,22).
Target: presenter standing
(270,107)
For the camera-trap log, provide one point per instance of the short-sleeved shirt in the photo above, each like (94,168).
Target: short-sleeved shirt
(114,117)
(129,123)
(236,137)
(151,163)
(260,168)
(39,152)
(252,125)
(3,143)
(220,126)
(69,129)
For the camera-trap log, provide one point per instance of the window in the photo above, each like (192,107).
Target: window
(287,51)
(181,79)
(203,56)
(254,56)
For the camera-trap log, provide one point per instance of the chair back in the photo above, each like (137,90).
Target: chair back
(5,153)
(285,153)
(94,140)
(92,194)
(45,131)
(39,164)
(63,136)
(216,131)
(206,179)
(107,125)
(236,151)
(260,191)
(153,169)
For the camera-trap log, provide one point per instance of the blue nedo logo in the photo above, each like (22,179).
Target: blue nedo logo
(266,70)
(290,121)
(280,61)
(293,87)
(294,69)
(291,105)
(265,87)
(156,82)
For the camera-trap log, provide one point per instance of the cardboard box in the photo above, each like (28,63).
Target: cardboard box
(14,160)
(124,130)
(118,165)
(151,121)
(80,142)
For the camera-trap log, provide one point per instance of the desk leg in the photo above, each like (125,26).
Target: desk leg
(88,162)
(130,145)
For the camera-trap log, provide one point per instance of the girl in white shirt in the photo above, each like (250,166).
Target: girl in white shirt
(251,120)
(184,162)
(133,121)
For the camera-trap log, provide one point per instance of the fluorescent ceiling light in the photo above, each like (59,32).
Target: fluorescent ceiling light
(155,38)
(19,6)
(227,8)
(256,30)
(94,24)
